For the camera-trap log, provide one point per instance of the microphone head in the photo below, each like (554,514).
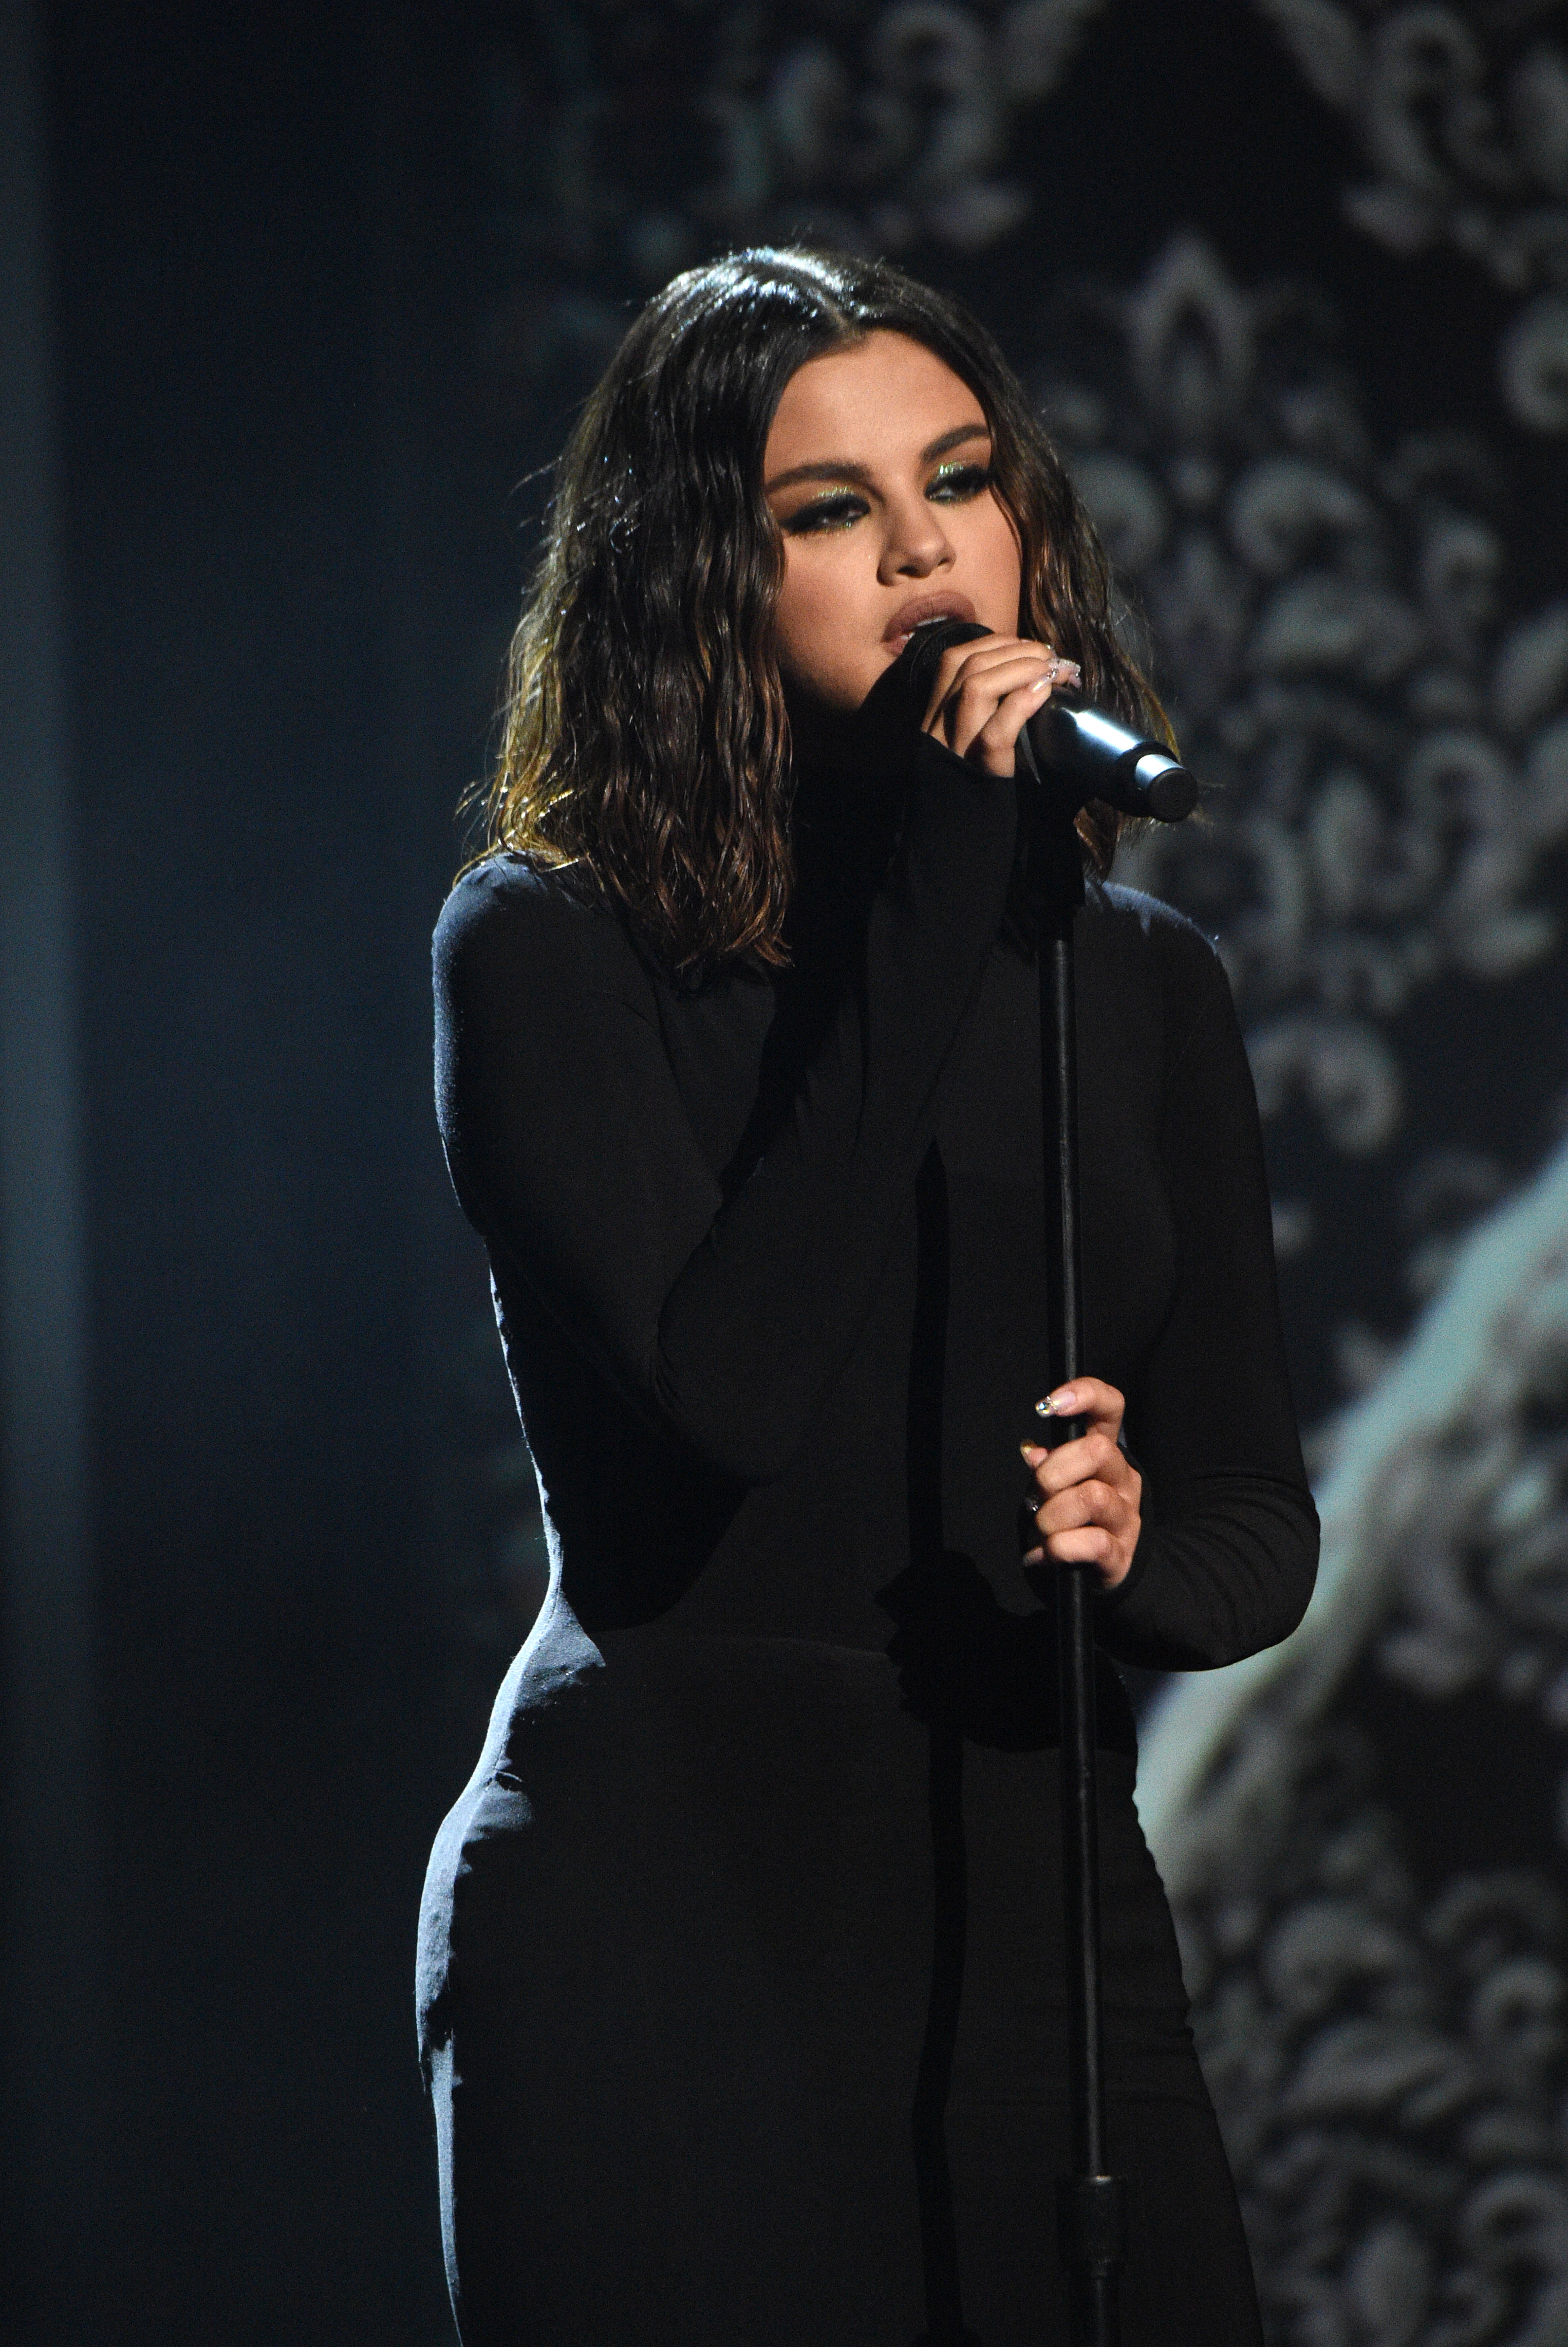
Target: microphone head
(922,656)
(1170,791)
(1104,758)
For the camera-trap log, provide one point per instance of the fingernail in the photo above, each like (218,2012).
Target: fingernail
(1060,1404)
(1032,1453)
(1043,683)
(1034,1556)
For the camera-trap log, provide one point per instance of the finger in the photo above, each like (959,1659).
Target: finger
(976,649)
(1092,1545)
(1109,1545)
(992,665)
(982,684)
(1093,1456)
(1085,1503)
(975,654)
(956,715)
(1083,1543)
(1095,1501)
(984,729)
(1088,1398)
(989,733)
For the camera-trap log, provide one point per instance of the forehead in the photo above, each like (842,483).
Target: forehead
(878,398)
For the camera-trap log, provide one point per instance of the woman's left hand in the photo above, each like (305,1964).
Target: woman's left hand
(1086,1504)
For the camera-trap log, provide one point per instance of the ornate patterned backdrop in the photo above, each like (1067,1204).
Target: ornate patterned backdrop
(1333,494)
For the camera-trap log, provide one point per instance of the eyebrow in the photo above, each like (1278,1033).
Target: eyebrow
(845,469)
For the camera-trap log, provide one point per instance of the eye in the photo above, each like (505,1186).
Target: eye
(839,510)
(955,485)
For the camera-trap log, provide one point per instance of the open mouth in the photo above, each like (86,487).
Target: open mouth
(914,614)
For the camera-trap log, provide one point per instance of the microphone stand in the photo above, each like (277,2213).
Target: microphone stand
(1091,2203)
(1069,754)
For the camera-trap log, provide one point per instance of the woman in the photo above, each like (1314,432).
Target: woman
(740,1982)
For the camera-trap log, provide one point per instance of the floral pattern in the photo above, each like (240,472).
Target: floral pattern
(1386,757)
(1390,2057)
(1461,115)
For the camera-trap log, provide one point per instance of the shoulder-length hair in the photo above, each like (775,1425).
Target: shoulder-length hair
(646,743)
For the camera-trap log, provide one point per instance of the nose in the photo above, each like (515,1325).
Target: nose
(914,543)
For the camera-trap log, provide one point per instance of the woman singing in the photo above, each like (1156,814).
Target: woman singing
(740,1979)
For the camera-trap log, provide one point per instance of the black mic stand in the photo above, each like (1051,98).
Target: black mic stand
(1073,754)
(1091,2203)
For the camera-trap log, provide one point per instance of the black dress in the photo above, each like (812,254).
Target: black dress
(740,1976)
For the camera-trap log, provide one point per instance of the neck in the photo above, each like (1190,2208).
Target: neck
(855,747)
(822,740)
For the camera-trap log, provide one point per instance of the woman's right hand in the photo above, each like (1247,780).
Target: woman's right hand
(986,692)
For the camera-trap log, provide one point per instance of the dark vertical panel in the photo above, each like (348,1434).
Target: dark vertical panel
(51,1977)
(266,839)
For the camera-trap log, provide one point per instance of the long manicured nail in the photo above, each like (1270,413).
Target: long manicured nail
(1032,1453)
(1062,1403)
(1034,1556)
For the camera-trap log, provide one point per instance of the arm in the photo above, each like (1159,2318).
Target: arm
(721,1322)
(1229,1549)
(1209,1553)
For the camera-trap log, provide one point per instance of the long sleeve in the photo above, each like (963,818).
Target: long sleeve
(722,1320)
(1228,1553)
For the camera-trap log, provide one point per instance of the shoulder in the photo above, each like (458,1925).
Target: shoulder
(1145,950)
(507,924)
(504,895)
(1146,926)
(1141,930)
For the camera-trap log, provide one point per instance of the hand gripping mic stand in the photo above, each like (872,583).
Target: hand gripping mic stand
(1074,753)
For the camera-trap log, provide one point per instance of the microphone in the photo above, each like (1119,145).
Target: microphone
(1098,754)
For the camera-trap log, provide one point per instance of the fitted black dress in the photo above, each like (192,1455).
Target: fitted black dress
(739,1974)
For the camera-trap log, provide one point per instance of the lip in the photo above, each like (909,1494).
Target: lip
(942,605)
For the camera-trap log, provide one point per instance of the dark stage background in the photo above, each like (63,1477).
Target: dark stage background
(293,305)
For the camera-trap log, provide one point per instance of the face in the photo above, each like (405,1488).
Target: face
(877,470)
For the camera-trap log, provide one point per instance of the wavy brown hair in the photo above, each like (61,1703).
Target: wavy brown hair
(646,745)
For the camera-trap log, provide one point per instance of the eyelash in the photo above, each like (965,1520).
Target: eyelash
(845,507)
(967,480)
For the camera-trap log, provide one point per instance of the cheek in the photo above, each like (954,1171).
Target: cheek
(794,621)
(997,547)
(814,619)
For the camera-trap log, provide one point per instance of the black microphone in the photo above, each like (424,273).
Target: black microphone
(1098,754)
